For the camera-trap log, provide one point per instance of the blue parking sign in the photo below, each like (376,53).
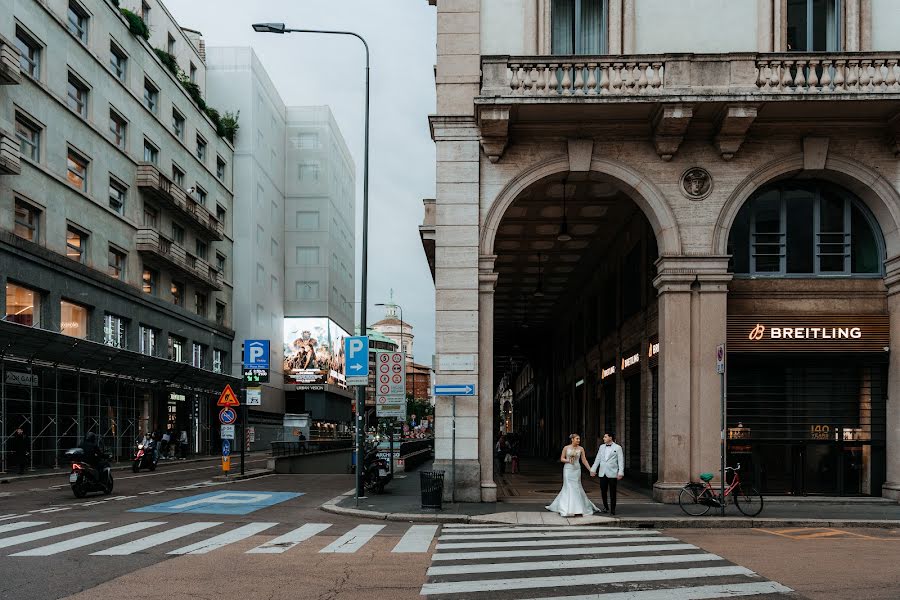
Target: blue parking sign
(356,352)
(256,354)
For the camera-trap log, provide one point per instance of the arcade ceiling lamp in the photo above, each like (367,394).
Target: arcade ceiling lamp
(563,235)
(539,291)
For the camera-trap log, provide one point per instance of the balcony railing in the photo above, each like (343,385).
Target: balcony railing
(9,155)
(158,248)
(9,63)
(729,75)
(163,189)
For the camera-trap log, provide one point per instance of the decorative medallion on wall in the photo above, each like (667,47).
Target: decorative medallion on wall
(696,183)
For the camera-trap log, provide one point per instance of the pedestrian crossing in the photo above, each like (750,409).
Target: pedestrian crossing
(43,539)
(582,563)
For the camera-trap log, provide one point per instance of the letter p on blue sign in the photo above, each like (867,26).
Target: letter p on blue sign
(256,354)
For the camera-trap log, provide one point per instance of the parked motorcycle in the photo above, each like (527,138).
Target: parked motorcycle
(85,478)
(145,457)
(377,471)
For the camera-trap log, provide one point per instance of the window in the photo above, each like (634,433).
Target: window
(176,349)
(76,244)
(273,248)
(148,340)
(117,193)
(200,195)
(308,171)
(308,220)
(170,44)
(117,260)
(259,235)
(308,255)
(151,217)
(73,319)
(149,279)
(220,168)
(151,96)
(114,329)
(308,141)
(220,213)
(307,290)
(814,25)
(260,315)
(192,73)
(76,166)
(218,359)
(578,26)
(201,148)
(178,124)
(802,229)
(220,313)
(118,61)
(29,136)
(27,218)
(177,290)
(78,21)
(201,305)
(177,176)
(260,274)
(197,355)
(151,152)
(29,54)
(23,305)
(178,233)
(118,128)
(202,249)
(220,262)
(77,95)
(273,284)
(145,13)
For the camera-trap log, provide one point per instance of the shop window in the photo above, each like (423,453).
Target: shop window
(805,229)
(73,319)
(114,331)
(27,221)
(23,305)
(814,25)
(578,26)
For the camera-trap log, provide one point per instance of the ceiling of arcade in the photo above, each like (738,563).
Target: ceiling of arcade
(538,272)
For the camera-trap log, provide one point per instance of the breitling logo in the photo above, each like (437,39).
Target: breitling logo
(757,332)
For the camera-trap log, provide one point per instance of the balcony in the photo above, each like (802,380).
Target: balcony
(9,154)
(151,181)
(158,250)
(9,63)
(667,91)
(427,232)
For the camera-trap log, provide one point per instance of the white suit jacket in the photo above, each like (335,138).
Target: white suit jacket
(610,460)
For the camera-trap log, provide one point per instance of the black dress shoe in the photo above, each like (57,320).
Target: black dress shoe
(604,510)
(612,512)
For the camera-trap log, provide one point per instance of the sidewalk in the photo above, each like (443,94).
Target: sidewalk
(402,502)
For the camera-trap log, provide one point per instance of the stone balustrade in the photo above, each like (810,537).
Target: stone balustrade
(815,73)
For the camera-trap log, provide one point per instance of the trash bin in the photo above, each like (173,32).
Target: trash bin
(432,483)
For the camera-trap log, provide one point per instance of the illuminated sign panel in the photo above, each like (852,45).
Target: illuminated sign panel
(808,333)
(313,353)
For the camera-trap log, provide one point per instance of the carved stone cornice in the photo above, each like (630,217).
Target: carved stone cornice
(669,126)
(493,122)
(734,122)
(685,273)
(487,277)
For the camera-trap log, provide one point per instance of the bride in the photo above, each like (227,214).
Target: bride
(571,499)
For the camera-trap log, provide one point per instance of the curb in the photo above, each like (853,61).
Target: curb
(253,474)
(650,523)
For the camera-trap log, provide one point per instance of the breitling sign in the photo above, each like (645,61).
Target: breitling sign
(808,333)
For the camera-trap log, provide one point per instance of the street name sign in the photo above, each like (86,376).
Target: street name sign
(356,351)
(458,389)
(228,397)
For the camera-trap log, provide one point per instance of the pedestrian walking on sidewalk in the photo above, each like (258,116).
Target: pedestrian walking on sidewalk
(610,466)
(183,444)
(20,449)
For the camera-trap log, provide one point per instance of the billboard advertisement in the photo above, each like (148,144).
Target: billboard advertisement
(314,353)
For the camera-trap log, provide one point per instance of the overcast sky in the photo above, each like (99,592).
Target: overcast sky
(317,69)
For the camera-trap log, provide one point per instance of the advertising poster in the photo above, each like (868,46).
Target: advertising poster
(313,353)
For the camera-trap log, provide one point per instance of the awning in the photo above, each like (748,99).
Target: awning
(42,347)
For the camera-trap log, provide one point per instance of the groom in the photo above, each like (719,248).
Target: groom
(611,463)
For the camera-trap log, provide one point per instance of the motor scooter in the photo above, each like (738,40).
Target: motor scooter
(377,472)
(85,478)
(145,457)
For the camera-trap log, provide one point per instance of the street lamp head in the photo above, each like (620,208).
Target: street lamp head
(269,27)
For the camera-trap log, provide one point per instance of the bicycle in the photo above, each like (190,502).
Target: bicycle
(697,498)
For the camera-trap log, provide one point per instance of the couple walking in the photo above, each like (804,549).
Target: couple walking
(609,465)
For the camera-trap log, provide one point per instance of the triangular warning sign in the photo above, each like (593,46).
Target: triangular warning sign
(228,397)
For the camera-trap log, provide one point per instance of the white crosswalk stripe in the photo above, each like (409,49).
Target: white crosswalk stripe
(87,540)
(289,540)
(353,540)
(224,539)
(582,563)
(20,525)
(151,541)
(46,533)
(416,539)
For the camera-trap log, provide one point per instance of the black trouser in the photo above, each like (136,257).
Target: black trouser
(21,461)
(608,483)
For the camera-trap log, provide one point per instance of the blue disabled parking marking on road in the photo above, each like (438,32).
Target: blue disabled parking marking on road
(220,503)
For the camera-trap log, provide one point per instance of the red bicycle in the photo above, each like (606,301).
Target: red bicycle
(697,498)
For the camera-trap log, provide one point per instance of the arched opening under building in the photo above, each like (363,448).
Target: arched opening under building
(575,324)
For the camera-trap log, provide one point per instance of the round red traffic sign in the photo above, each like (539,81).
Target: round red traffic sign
(397,379)
(385,378)
(384,358)
(397,358)
(385,389)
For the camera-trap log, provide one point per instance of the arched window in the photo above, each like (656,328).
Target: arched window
(810,229)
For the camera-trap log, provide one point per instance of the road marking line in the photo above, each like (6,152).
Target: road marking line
(21,525)
(562,565)
(700,592)
(156,539)
(45,533)
(570,528)
(353,540)
(87,540)
(539,543)
(289,540)
(224,539)
(167,472)
(11,516)
(549,534)
(437,556)
(416,539)
(570,580)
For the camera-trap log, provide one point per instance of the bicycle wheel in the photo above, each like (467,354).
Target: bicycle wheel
(689,500)
(748,500)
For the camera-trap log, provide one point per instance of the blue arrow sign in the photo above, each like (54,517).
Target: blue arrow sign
(226,447)
(459,389)
(256,354)
(356,351)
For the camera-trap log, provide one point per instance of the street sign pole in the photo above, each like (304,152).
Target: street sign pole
(243,394)
(720,367)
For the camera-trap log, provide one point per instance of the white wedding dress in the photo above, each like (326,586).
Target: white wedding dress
(571,499)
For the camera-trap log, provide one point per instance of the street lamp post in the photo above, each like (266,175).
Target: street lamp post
(360,390)
(404,366)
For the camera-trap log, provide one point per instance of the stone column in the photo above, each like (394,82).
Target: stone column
(487,281)
(615,27)
(764,25)
(851,26)
(891,488)
(628,27)
(692,321)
